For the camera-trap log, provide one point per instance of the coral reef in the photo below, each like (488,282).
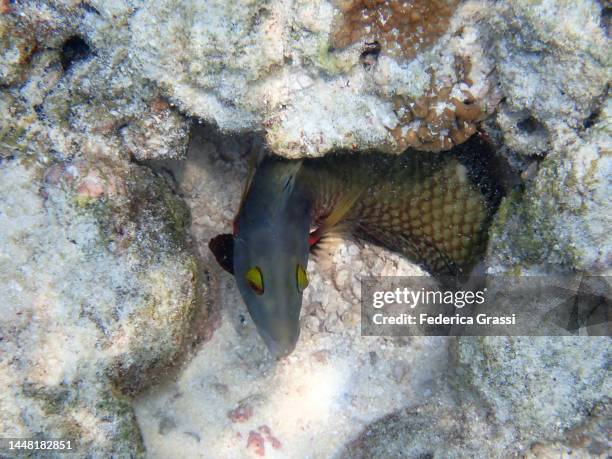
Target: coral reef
(539,387)
(589,439)
(362,396)
(446,427)
(553,68)
(81,92)
(326,387)
(274,68)
(17,50)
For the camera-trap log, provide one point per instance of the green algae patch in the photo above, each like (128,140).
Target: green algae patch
(330,61)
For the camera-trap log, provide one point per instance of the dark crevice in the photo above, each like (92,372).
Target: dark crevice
(40,111)
(596,109)
(370,53)
(529,125)
(606,15)
(591,119)
(89,8)
(6,158)
(74,49)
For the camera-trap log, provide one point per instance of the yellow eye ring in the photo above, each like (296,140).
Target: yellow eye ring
(255,280)
(302,278)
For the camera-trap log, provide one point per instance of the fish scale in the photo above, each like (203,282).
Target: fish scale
(431,208)
(440,218)
(434,209)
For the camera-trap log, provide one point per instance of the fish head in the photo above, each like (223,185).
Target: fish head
(270,258)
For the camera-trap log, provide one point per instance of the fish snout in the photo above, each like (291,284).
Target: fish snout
(282,345)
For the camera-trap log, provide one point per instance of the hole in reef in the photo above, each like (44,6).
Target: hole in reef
(370,54)
(596,110)
(529,125)
(591,119)
(74,49)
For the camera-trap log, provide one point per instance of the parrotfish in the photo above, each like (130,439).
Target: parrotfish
(435,209)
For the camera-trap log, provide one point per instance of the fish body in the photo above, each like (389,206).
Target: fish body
(435,209)
(270,248)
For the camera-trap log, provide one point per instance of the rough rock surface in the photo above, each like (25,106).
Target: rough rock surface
(448,426)
(99,291)
(553,68)
(98,294)
(546,60)
(561,221)
(68,86)
(284,76)
(540,68)
(537,386)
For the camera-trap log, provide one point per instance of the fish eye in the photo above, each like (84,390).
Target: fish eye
(254,278)
(302,278)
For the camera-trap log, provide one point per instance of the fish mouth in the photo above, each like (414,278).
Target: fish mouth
(278,348)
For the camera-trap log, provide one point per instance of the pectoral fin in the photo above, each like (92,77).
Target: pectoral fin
(331,223)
